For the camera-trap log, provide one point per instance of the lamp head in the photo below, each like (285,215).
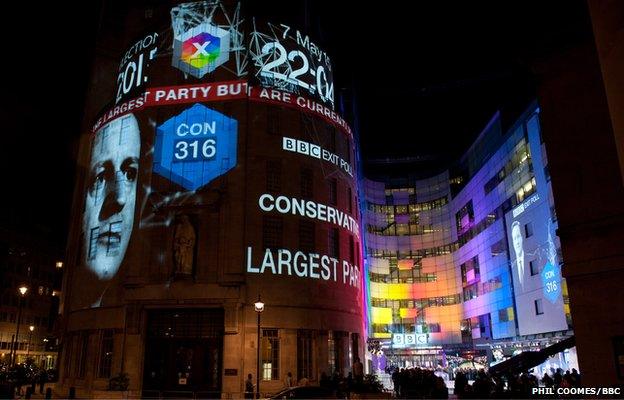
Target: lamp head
(23,290)
(259,305)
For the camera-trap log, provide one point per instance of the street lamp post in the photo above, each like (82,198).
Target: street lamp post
(31,328)
(258,307)
(22,290)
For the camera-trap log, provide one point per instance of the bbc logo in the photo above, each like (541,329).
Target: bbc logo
(301,147)
(409,339)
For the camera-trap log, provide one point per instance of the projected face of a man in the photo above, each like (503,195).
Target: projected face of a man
(109,209)
(516,236)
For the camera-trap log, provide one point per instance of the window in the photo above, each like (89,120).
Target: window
(355,345)
(506,314)
(333,192)
(528,230)
(350,198)
(338,349)
(306,236)
(304,354)
(331,348)
(112,244)
(434,328)
(273,121)
(498,248)
(491,184)
(464,217)
(93,237)
(533,267)
(81,356)
(470,270)
(272,232)
(106,354)
(526,190)
(485,325)
(539,308)
(274,176)
(307,183)
(351,250)
(270,354)
(332,139)
(333,243)
(68,354)
(471,292)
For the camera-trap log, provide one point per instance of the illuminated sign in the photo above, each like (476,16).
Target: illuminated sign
(208,92)
(301,103)
(305,265)
(201,49)
(133,68)
(196,146)
(551,282)
(520,209)
(312,150)
(409,339)
(288,60)
(184,94)
(309,209)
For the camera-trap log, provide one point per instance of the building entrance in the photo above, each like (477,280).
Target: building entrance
(429,358)
(183,353)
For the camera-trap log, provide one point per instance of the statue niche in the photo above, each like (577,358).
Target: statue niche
(184,239)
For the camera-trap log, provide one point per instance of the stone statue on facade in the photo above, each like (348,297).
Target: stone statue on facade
(183,246)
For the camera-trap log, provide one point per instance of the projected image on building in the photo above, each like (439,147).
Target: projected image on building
(286,58)
(535,268)
(204,37)
(110,199)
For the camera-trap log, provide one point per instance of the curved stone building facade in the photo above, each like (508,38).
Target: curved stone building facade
(215,170)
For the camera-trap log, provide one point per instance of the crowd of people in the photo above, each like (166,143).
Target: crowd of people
(23,379)
(477,384)
(417,383)
(512,385)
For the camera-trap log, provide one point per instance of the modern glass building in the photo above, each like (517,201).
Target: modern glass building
(466,264)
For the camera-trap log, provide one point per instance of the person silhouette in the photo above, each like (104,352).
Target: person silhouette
(516,235)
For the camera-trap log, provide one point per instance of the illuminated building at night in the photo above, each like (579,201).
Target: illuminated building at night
(217,168)
(466,264)
(31,276)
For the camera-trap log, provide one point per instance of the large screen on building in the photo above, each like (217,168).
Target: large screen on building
(535,267)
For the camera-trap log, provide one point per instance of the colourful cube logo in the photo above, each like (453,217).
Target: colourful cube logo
(201,49)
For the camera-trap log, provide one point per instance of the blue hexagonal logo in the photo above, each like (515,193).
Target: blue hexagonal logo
(551,282)
(195,146)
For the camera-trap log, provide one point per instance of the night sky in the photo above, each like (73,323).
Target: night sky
(427,79)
